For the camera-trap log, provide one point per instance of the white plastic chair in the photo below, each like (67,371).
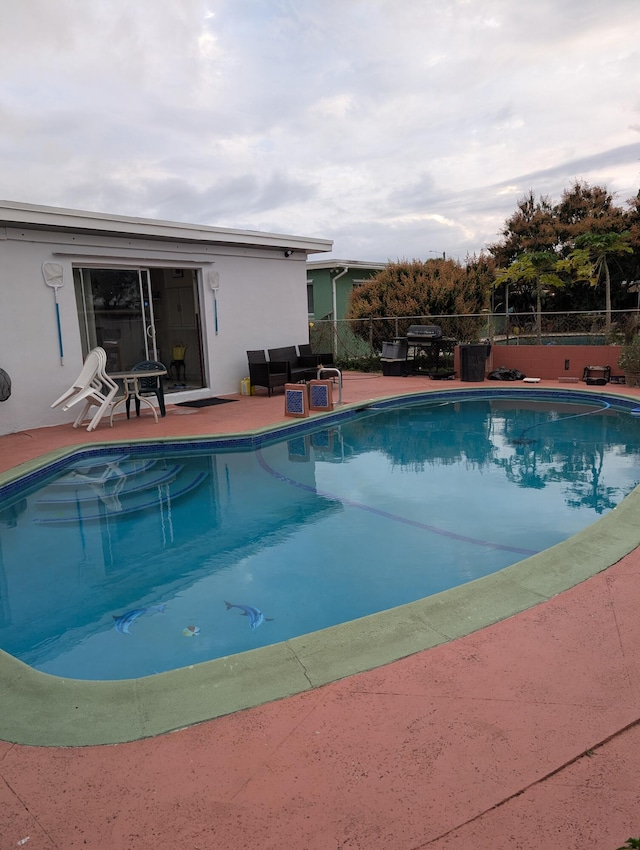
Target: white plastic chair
(92,386)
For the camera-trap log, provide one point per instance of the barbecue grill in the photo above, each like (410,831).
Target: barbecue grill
(423,333)
(425,345)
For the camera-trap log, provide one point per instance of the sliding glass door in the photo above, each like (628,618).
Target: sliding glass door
(115,309)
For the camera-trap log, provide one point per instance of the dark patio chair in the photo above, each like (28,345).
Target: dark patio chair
(266,374)
(323,359)
(300,368)
(149,386)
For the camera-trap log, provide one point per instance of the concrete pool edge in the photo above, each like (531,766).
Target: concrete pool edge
(45,710)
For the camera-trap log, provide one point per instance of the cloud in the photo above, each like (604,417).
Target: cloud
(393,128)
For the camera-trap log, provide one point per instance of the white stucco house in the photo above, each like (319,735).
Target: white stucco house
(140,288)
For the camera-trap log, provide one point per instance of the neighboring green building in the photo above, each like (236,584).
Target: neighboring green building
(329,283)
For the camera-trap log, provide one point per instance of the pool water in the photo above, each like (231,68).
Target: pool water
(558,339)
(124,565)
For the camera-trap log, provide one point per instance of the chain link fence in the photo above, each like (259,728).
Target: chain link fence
(357,343)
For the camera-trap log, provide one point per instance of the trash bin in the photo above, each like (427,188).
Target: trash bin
(472,362)
(393,368)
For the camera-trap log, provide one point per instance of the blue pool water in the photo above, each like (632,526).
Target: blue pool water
(132,562)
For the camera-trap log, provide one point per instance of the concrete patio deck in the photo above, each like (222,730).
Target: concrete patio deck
(524,734)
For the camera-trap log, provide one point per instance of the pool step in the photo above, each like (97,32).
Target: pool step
(88,488)
(117,486)
(103,469)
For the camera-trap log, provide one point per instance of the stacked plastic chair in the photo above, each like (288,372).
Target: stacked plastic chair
(93,387)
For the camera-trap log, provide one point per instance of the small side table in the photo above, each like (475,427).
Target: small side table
(131,385)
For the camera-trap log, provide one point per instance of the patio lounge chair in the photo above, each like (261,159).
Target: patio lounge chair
(266,374)
(93,387)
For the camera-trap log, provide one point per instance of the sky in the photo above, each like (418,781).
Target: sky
(400,129)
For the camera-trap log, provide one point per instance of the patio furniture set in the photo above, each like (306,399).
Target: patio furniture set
(94,387)
(285,366)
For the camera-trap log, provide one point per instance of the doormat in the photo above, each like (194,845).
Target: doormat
(204,402)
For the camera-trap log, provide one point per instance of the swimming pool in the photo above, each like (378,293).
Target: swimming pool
(158,561)
(553,339)
(306,463)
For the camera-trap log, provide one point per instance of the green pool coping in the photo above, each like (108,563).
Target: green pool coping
(43,710)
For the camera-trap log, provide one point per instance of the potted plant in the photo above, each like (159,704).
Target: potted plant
(629,361)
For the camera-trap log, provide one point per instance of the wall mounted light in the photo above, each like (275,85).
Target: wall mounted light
(288,252)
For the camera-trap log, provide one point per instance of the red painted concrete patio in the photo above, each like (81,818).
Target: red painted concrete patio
(525,734)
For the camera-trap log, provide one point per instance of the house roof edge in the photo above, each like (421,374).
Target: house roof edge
(352,264)
(64,219)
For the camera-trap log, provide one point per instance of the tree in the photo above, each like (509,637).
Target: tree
(587,209)
(630,263)
(532,227)
(633,221)
(417,289)
(601,248)
(537,269)
(539,225)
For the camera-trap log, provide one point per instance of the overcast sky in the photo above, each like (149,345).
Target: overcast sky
(397,128)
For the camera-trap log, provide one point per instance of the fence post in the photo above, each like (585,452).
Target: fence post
(371,336)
